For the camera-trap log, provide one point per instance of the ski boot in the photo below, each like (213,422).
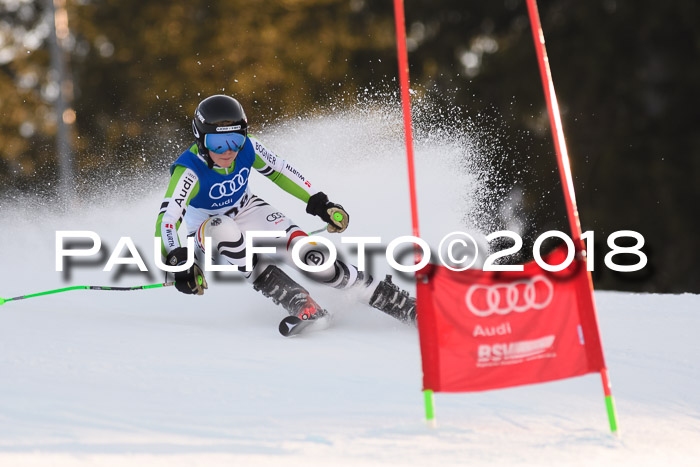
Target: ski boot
(393,301)
(283,290)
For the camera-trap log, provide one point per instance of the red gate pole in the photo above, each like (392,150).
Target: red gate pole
(402,54)
(567,186)
(406,104)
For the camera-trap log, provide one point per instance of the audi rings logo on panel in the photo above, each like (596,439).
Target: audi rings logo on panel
(229,187)
(519,296)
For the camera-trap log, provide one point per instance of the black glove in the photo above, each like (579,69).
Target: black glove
(191,280)
(333,214)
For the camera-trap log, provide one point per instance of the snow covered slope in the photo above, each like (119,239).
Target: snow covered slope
(157,378)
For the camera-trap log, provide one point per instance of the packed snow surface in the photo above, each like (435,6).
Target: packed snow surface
(153,377)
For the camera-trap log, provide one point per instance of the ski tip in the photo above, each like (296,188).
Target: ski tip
(289,324)
(293,325)
(2,301)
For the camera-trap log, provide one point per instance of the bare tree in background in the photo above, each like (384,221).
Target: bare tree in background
(65,115)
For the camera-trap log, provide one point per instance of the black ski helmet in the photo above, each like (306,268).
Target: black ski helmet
(212,114)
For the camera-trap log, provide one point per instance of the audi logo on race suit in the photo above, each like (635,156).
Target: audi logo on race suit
(229,187)
(535,293)
(274,216)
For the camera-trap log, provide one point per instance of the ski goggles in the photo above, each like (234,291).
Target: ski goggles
(222,142)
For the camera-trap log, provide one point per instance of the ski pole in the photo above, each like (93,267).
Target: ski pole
(86,287)
(316,231)
(337,216)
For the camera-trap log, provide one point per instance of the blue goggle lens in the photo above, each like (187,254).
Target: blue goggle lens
(222,142)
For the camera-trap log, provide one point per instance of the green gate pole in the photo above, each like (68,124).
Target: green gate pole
(609,402)
(429,407)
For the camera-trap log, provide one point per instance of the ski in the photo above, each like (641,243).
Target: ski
(293,325)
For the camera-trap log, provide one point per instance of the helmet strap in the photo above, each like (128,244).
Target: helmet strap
(204,152)
(210,162)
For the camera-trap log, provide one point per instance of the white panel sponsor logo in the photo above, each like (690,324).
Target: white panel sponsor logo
(224,129)
(491,331)
(519,296)
(512,351)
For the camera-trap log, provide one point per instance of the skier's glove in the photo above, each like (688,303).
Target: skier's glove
(333,214)
(191,280)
